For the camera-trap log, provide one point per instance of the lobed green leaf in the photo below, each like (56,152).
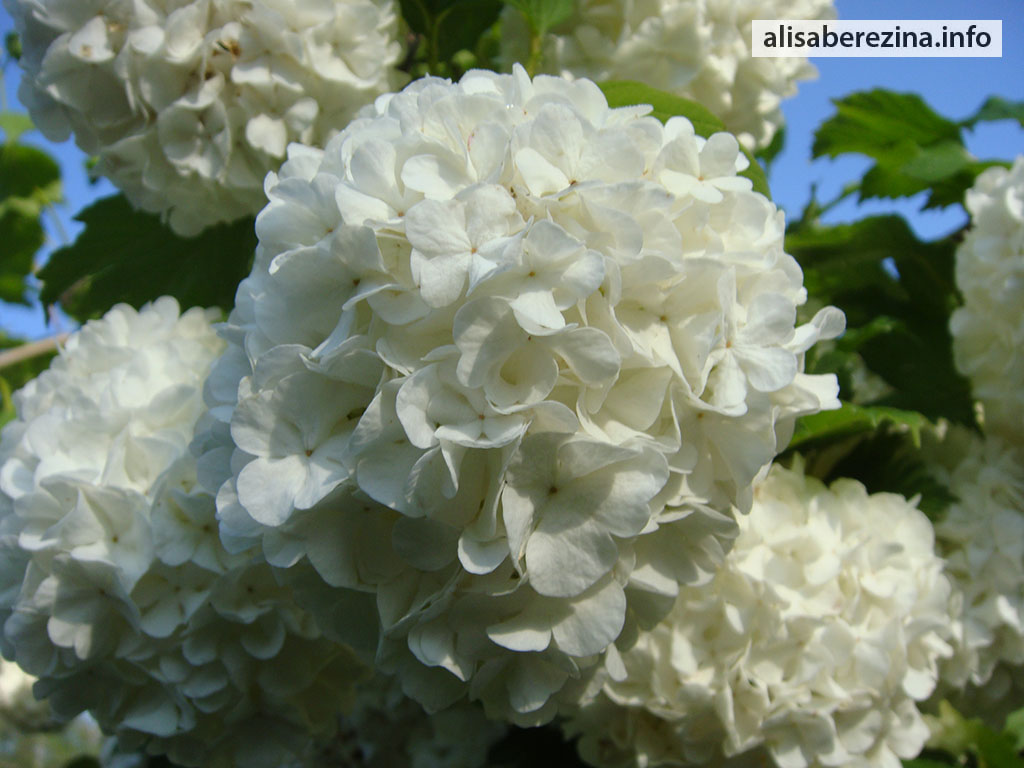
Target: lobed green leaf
(897,292)
(879,122)
(29,173)
(996,108)
(852,419)
(13,124)
(125,255)
(914,148)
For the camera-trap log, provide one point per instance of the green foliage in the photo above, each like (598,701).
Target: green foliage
(1015,728)
(897,292)
(12,45)
(13,124)
(448,27)
(880,123)
(125,255)
(624,93)
(29,173)
(853,419)
(996,108)
(29,182)
(768,154)
(972,742)
(914,148)
(894,363)
(543,15)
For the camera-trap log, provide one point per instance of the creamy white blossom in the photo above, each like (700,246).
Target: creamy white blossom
(988,330)
(813,641)
(981,536)
(116,591)
(188,105)
(500,360)
(699,49)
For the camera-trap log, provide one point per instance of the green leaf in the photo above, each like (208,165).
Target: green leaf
(13,124)
(769,153)
(997,108)
(12,44)
(914,148)
(22,236)
(911,169)
(29,173)
(952,190)
(925,763)
(959,735)
(130,256)
(877,123)
(877,268)
(887,459)
(543,15)
(448,27)
(416,13)
(937,161)
(29,181)
(627,93)
(7,410)
(1015,728)
(463,22)
(852,419)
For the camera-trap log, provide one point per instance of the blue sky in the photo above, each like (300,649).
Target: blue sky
(954,87)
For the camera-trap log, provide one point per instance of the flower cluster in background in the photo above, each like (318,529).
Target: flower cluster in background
(188,105)
(700,49)
(988,330)
(118,595)
(821,629)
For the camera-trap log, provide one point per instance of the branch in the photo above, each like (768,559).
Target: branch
(18,354)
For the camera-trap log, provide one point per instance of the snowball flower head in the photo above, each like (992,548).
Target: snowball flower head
(988,330)
(503,353)
(981,535)
(814,639)
(187,105)
(699,49)
(115,589)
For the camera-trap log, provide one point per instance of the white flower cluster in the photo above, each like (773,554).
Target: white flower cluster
(981,536)
(988,330)
(502,353)
(699,49)
(189,103)
(115,589)
(814,640)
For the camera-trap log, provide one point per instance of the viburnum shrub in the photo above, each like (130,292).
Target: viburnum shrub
(526,427)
